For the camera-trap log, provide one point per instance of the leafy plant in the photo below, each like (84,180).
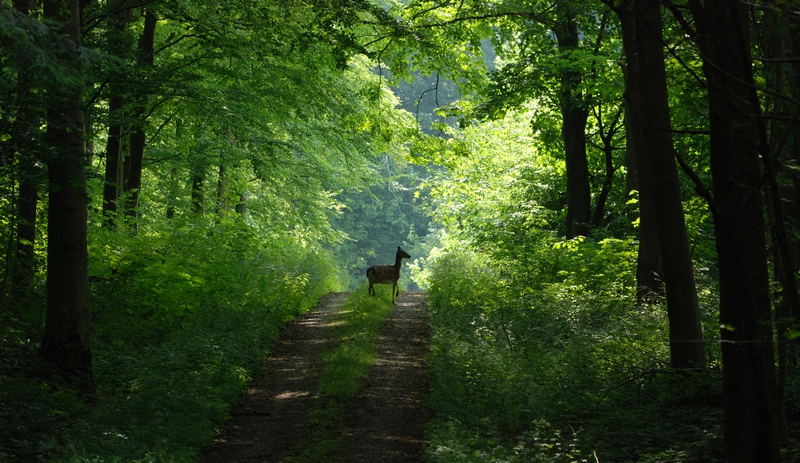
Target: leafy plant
(524,361)
(182,320)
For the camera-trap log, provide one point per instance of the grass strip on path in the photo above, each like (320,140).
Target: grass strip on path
(358,324)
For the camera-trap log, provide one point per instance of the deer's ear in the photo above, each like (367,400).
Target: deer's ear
(398,248)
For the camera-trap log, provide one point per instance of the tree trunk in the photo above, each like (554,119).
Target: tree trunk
(749,389)
(118,45)
(608,151)
(88,138)
(27,200)
(67,336)
(134,176)
(241,207)
(174,186)
(173,192)
(133,181)
(648,267)
(661,179)
(222,191)
(573,130)
(198,198)
(22,6)
(781,196)
(111,186)
(795,140)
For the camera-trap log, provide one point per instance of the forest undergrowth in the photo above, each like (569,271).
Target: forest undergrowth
(546,357)
(182,319)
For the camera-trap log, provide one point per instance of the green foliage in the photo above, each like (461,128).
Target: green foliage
(271,108)
(35,56)
(36,409)
(454,52)
(539,353)
(541,444)
(546,358)
(501,189)
(181,324)
(378,219)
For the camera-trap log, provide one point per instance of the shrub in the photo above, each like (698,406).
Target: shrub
(180,326)
(535,365)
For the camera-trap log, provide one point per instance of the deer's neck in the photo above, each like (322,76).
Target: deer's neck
(398,261)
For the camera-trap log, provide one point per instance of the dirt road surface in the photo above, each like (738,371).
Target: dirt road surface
(383,423)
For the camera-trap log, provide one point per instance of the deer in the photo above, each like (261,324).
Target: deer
(385,274)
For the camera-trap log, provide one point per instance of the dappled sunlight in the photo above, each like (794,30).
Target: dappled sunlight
(288,395)
(334,323)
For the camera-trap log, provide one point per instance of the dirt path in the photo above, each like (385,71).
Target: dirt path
(384,422)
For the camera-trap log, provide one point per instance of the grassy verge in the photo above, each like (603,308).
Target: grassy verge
(358,325)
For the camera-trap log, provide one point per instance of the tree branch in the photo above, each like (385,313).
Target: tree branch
(524,14)
(699,187)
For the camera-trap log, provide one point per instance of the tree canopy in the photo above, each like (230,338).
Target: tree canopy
(600,198)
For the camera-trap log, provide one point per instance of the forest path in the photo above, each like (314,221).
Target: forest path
(383,423)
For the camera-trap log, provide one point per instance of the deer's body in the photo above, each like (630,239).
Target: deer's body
(385,274)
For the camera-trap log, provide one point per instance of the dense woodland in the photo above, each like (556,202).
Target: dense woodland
(600,198)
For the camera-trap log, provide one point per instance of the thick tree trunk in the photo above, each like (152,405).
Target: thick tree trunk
(749,389)
(795,140)
(781,194)
(648,268)
(787,313)
(573,130)
(661,178)
(133,181)
(27,201)
(67,337)
(23,6)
